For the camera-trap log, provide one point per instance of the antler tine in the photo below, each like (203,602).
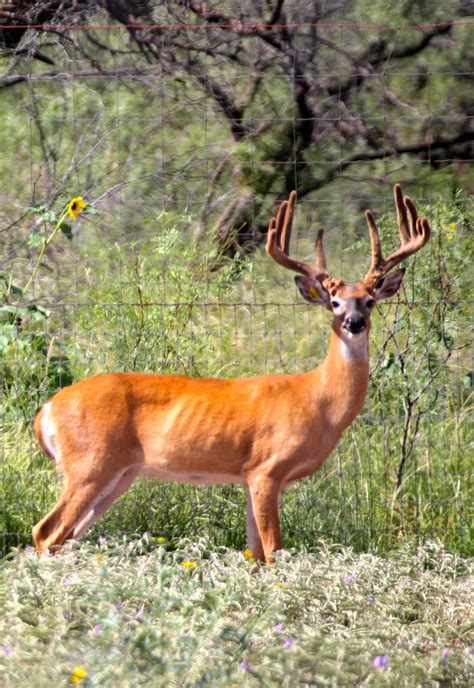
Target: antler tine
(415,232)
(376,263)
(288,222)
(321,267)
(278,239)
(402,217)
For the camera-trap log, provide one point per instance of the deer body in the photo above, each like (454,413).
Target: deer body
(264,431)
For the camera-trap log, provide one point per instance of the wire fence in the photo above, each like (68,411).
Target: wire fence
(170,276)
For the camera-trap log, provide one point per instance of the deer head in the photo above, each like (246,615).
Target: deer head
(350,304)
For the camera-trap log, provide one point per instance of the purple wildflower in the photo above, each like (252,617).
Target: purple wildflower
(97,630)
(444,654)
(289,643)
(278,627)
(43,618)
(5,650)
(380,662)
(67,581)
(67,616)
(370,600)
(350,578)
(245,665)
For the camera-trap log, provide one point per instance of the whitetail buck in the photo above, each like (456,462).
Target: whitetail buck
(264,432)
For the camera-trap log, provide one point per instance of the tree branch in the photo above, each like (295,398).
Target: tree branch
(377,54)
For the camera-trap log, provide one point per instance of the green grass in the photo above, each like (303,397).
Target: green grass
(130,614)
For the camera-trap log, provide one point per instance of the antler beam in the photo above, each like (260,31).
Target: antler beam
(278,243)
(414,234)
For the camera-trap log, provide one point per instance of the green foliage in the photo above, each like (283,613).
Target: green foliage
(33,366)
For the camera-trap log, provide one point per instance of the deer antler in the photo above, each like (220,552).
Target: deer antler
(414,234)
(278,243)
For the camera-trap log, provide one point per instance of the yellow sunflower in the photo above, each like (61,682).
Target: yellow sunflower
(76,206)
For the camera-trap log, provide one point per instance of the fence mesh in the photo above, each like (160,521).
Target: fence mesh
(144,284)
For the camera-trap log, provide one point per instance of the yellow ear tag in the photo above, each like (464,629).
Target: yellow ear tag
(312,291)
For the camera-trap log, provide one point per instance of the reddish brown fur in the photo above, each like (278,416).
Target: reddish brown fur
(270,429)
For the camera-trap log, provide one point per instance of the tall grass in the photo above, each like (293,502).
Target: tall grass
(157,304)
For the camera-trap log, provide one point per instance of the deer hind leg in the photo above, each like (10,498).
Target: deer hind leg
(43,529)
(105,501)
(78,508)
(264,493)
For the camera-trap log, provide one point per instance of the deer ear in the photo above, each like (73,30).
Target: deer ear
(312,290)
(389,285)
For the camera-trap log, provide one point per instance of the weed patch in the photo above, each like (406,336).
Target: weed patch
(130,613)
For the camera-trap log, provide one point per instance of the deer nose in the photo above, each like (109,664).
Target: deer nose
(354,323)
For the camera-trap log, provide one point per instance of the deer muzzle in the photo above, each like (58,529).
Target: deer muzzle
(354,323)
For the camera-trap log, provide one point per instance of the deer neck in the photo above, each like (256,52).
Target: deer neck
(343,376)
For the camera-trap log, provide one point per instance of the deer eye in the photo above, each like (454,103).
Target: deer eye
(335,304)
(370,303)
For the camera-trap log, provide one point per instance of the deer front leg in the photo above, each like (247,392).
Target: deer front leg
(264,493)
(254,542)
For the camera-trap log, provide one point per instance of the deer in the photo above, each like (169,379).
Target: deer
(264,432)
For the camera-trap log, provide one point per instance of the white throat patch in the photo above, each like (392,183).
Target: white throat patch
(354,347)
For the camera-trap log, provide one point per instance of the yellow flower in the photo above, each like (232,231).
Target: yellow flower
(248,554)
(161,540)
(452,227)
(77,675)
(189,564)
(280,584)
(76,206)
(99,556)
